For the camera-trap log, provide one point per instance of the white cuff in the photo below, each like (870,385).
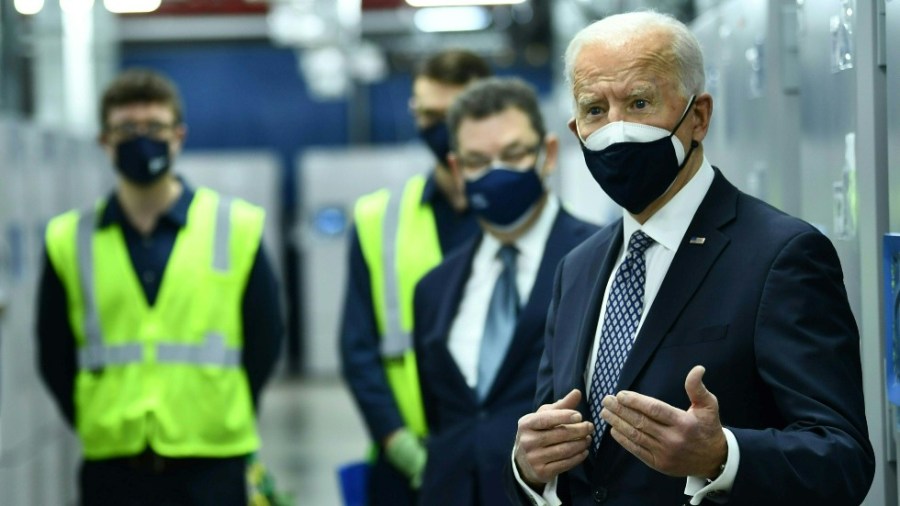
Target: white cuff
(548,498)
(718,489)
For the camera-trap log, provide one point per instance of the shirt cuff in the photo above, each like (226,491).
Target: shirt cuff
(548,498)
(716,490)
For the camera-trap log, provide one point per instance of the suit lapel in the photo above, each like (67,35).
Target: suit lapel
(460,268)
(599,271)
(533,318)
(687,271)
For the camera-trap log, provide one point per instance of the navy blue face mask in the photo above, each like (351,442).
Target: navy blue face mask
(437,137)
(502,196)
(635,163)
(143,160)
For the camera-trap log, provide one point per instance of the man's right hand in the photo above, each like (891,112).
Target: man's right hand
(552,440)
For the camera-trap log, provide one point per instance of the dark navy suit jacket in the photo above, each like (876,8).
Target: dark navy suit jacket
(470,442)
(761,304)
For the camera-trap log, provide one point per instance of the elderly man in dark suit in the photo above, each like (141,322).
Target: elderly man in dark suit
(702,348)
(479,316)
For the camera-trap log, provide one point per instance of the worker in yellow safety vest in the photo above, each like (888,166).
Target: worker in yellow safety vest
(399,235)
(158,318)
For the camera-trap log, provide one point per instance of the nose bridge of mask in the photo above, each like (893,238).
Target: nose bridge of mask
(623,131)
(496,164)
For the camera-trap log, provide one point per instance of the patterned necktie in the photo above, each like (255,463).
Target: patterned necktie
(503,312)
(623,313)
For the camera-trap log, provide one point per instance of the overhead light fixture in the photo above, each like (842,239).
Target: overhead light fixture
(28,7)
(131,6)
(457,3)
(452,19)
(76,5)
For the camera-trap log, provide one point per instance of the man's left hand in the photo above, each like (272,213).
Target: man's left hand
(672,441)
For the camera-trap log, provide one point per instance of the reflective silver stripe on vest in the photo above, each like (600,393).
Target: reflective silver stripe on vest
(395,341)
(94,354)
(223,235)
(96,357)
(211,352)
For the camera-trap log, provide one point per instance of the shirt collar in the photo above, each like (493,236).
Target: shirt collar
(531,243)
(668,225)
(176,214)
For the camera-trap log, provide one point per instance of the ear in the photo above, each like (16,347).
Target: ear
(701,113)
(573,127)
(456,171)
(179,137)
(103,141)
(551,154)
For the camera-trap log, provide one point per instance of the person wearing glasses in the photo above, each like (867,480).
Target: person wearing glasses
(399,234)
(158,318)
(480,314)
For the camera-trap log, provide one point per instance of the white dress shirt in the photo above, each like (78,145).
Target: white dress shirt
(667,228)
(464,341)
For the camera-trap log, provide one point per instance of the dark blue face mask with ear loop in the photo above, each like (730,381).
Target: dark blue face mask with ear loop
(634,171)
(502,196)
(437,137)
(143,160)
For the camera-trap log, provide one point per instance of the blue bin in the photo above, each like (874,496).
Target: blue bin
(354,479)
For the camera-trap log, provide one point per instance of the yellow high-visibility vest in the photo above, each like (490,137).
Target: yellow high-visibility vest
(167,375)
(400,244)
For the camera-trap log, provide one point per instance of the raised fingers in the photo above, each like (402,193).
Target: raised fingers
(550,462)
(544,454)
(642,411)
(548,419)
(532,439)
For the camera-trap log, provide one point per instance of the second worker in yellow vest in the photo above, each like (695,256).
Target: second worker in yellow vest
(399,235)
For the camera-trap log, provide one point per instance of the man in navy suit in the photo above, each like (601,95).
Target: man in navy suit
(479,315)
(702,348)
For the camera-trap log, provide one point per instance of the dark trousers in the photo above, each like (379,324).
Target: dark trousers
(388,487)
(168,482)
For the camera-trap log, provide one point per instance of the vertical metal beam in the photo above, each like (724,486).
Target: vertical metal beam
(872,187)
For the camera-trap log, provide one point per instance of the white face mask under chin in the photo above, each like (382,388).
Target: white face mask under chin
(623,131)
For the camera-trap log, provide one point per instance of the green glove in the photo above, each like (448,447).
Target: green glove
(406,453)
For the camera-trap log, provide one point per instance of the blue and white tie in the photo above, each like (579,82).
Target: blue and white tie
(623,313)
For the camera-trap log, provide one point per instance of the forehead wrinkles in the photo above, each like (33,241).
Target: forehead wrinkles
(632,79)
(623,57)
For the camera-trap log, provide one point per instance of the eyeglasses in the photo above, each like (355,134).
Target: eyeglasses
(513,157)
(131,129)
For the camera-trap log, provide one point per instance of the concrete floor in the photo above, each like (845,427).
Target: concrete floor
(309,428)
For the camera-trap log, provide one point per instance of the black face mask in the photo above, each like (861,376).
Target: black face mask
(437,137)
(143,160)
(632,171)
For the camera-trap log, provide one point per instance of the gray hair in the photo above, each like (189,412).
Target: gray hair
(620,28)
(491,96)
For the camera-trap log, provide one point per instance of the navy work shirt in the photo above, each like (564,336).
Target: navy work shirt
(360,355)
(261,311)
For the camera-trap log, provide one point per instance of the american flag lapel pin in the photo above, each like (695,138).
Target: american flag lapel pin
(697,240)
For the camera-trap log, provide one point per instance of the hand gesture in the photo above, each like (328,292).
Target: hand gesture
(672,441)
(552,440)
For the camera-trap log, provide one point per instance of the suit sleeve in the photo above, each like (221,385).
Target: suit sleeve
(807,352)
(421,309)
(56,341)
(544,389)
(263,324)
(359,346)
